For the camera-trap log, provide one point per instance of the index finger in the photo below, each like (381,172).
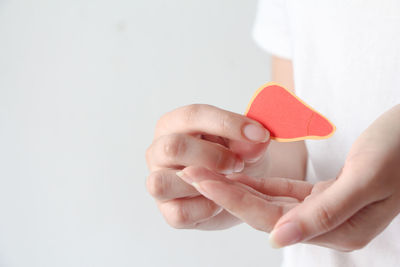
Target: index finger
(259,212)
(276,186)
(207,119)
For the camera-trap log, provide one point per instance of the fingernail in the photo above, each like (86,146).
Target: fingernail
(182,175)
(285,235)
(255,133)
(239,166)
(253,160)
(197,186)
(201,190)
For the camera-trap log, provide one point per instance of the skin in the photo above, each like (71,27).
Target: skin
(213,138)
(193,182)
(344,213)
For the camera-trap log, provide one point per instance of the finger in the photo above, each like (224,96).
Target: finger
(201,173)
(321,186)
(256,211)
(322,213)
(177,150)
(222,220)
(186,213)
(361,228)
(165,185)
(249,152)
(215,139)
(211,120)
(275,186)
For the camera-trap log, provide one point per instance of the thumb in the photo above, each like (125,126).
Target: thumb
(321,213)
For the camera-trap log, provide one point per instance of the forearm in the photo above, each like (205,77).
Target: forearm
(285,159)
(384,132)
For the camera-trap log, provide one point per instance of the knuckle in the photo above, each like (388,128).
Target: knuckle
(191,112)
(223,161)
(174,145)
(288,187)
(165,120)
(156,184)
(225,121)
(325,220)
(262,183)
(178,216)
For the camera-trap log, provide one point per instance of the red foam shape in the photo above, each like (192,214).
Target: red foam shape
(286,116)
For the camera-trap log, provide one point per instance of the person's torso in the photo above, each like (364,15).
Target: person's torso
(346,56)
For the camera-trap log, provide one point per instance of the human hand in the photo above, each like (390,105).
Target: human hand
(345,213)
(207,136)
(260,202)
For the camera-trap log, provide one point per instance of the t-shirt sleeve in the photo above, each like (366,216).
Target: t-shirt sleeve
(271,28)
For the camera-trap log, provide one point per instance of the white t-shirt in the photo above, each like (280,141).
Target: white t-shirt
(346,58)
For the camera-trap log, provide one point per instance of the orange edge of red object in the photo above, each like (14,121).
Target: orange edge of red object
(305,104)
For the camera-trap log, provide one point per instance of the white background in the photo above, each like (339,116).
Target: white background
(82,84)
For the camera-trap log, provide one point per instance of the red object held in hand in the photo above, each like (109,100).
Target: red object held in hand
(286,116)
